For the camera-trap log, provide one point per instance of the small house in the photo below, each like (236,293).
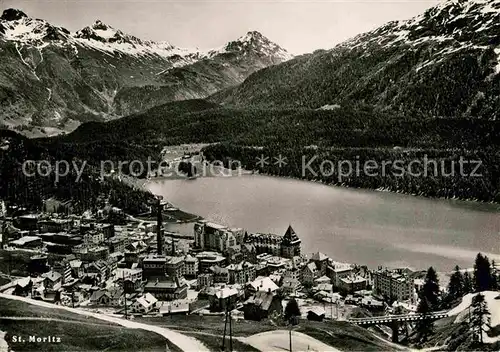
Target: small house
(222,299)
(262,305)
(262,283)
(316,314)
(100,297)
(144,304)
(52,280)
(23,287)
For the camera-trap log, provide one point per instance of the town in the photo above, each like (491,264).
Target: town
(137,268)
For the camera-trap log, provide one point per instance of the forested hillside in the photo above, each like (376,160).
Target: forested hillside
(29,189)
(443,63)
(347,134)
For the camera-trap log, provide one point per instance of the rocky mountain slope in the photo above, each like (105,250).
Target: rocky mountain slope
(52,80)
(444,62)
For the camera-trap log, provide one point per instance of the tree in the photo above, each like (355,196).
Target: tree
(480,316)
(430,290)
(482,273)
(424,327)
(456,284)
(494,276)
(429,299)
(292,309)
(467,283)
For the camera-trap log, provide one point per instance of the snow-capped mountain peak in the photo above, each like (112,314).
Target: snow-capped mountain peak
(462,23)
(15,25)
(253,41)
(106,34)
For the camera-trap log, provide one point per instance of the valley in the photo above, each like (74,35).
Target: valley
(382,151)
(100,73)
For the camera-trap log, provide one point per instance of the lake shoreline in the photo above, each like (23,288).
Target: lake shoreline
(334,185)
(441,231)
(382,189)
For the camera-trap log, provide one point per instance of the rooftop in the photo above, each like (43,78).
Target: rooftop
(226,292)
(25,239)
(318,256)
(167,284)
(353,280)
(155,258)
(52,275)
(215,226)
(174,260)
(263,283)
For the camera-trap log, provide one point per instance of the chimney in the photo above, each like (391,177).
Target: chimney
(159,234)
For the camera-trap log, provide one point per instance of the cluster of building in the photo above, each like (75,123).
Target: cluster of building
(141,268)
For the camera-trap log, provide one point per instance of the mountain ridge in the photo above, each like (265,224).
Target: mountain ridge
(52,79)
(444,62)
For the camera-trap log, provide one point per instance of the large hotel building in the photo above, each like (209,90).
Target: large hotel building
(214,237)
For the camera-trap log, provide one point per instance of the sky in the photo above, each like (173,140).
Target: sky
(299,26)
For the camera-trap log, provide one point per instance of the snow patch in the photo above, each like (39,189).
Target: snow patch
(4,346)
(57,116)
(183,56)
(24,62)
(329,107)
(479,15)
(253,40)
(497,67)
(462,311)
(29,30)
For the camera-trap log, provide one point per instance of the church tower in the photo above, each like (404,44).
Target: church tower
(290,244)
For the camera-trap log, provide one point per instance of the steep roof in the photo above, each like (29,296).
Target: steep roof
(312,267)
(318,256)
(262,299)
(263,283)
(24,281)
(52,275)
(317,311)
(96,295)
(226,292)
(290,236)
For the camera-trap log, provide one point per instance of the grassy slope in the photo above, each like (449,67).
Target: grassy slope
(340,335)
(344,336)
(77,333)
(457,337)
(214,343)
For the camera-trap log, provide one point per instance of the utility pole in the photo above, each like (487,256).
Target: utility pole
(230,333)
(225,325)
(226,321)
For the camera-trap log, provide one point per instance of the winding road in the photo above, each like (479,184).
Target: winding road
(185,343)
